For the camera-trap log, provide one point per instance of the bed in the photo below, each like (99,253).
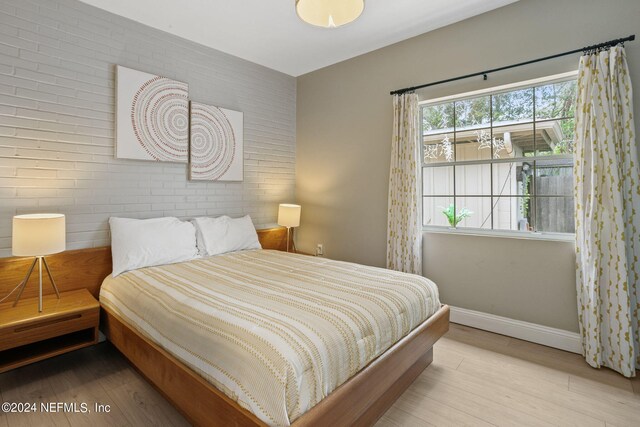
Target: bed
(276,332)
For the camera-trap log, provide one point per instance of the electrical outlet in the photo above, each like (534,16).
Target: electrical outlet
(319,249)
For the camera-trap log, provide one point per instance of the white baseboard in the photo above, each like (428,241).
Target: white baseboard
(551,337)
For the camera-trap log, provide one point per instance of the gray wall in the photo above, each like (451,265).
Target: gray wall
(344,121)
(57,109)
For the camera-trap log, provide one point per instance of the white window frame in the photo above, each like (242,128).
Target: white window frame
(527,235)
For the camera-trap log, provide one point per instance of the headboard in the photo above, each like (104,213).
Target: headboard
(87,268)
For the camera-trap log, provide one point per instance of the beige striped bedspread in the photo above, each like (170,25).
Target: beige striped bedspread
(276,332)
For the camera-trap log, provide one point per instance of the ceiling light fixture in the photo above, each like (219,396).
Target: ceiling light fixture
(329,13)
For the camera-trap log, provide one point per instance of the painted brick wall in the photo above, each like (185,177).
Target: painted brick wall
(57,109)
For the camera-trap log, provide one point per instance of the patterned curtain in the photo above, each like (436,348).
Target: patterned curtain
(404,231)
(607,200)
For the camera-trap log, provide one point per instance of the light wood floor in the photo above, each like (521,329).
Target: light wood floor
(477,378)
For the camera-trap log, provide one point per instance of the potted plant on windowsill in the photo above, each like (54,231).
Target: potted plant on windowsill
(453,217)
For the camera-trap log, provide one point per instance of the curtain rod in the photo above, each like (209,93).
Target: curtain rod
(484,73)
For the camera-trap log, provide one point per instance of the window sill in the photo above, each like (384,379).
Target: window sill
(525,235)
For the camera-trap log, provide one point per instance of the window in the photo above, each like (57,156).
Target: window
(501,159)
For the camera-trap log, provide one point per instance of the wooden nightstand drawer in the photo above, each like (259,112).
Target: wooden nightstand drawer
(30,332)
(65,324)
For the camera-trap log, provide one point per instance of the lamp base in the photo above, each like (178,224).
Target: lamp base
(23,284)
(288,237)
(291,242)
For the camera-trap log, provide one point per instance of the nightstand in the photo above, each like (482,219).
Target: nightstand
(65,324)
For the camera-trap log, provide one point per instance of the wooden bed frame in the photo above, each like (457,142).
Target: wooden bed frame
(358,402)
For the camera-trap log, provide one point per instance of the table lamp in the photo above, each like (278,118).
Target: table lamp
(289,216)
(38,235)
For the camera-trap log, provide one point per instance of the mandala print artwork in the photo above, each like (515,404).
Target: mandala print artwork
(216,143)
(152,117)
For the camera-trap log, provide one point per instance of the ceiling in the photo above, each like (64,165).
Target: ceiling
(269,33)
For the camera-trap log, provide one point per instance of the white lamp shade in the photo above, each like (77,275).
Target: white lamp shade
(38,234)
(329,13)
(289,215)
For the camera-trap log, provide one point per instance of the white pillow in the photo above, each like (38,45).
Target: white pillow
(202,247)
(137,243)
(223,234)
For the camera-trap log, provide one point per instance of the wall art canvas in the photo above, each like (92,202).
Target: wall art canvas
(216,143)
(152,117)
